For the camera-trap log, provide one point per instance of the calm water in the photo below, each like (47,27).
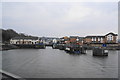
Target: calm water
(54,63)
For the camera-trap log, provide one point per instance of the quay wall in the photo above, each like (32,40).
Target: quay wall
(108,46)
(35,46)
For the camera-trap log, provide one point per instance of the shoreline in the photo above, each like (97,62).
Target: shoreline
(35,46)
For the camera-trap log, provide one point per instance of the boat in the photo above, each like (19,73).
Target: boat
(75,50)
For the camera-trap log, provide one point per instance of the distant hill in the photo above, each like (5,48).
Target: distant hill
(10,33)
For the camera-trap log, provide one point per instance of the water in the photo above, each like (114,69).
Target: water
(54,63)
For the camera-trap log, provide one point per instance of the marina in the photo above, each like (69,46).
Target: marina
(63,39)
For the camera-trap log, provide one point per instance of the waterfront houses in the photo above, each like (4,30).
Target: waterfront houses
(33,40)
(108,38)
(111,38)
(25,40)
(72,40)
(94,39)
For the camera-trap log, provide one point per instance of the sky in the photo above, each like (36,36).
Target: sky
(59,0)
(57,19)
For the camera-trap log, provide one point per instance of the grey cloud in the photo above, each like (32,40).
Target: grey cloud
(59,19)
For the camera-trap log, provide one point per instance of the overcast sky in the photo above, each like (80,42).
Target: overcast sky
(61,18)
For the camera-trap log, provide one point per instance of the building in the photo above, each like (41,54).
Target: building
(108,38)
(80,40)
(94,39)
(25,40)
(111,38)
(72,40)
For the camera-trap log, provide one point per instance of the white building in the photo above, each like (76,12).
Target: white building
(25,40)
(111,38)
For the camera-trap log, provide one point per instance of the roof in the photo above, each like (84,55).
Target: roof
(95,37)
(80,37)
(74,36)
(32,38)
(111,34)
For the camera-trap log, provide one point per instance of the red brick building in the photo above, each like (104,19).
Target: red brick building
(108,38)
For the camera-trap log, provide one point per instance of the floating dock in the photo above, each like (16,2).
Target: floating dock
(100,52)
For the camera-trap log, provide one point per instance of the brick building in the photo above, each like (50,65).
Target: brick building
(108,38)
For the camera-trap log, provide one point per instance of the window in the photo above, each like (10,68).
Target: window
(92,39)
(95,39)
(101,40)
(110,38)
(98,39)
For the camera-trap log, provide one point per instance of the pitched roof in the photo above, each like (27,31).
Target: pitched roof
(111,34)
(95,37)
(74,36)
